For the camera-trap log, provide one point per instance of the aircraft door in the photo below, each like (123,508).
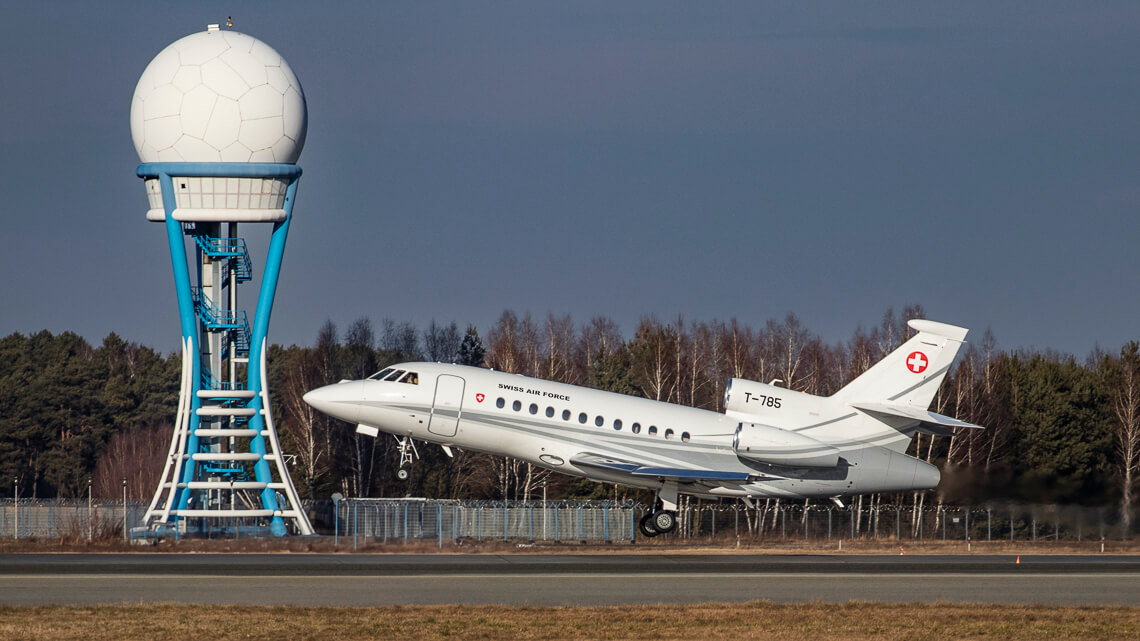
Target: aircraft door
(447,406)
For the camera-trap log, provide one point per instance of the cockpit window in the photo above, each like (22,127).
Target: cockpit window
(412,378)
(379,376)
(394,375)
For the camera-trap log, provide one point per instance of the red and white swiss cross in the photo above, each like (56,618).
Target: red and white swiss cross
(479,397)
(917,362)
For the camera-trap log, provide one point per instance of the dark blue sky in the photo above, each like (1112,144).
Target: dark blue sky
(710,159)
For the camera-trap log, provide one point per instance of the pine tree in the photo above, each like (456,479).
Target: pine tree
(471,350)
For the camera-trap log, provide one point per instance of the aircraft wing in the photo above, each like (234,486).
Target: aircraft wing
(585,459)
(907,411)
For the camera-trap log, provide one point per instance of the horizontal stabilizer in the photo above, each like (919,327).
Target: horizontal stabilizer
(636,469)
(911,412)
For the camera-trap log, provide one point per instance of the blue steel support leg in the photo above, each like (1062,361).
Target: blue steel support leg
(189,323)
(276,253)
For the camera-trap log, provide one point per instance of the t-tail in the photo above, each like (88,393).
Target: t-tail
(898,390)
(884,406)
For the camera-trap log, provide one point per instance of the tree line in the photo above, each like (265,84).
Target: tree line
(1058,430)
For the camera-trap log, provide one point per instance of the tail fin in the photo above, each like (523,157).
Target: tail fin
(910,375)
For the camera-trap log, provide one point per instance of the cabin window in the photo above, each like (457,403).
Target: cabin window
(549,412)
(653,430)
(394,375)
(516,406)
(582,418)
(617,424)
(635,428)
(599,421)
(501,402)
(669,433)
(685,437)
(566,415)
(379,376)
(411,378)
(534,408)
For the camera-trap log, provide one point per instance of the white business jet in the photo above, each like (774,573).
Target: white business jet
(771,442)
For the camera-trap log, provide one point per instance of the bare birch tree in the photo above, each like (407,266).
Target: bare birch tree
(1126,408)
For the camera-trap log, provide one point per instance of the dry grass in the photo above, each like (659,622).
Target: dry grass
(709,622)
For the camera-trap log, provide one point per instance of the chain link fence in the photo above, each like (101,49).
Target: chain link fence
(424,519)
(63,518)
(391,520)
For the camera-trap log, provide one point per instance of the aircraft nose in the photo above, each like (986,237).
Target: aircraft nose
(341,400)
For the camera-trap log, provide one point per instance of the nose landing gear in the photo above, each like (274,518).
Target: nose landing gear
(408,453)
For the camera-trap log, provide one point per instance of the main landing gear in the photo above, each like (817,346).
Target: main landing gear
(656,523)
(663,518)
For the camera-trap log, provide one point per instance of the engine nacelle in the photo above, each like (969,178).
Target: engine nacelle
(772,445)
(769,403)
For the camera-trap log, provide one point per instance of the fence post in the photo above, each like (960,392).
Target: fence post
(439,523)
(606,522)
(479,518)
(530,521)
(506,519)
(355,524)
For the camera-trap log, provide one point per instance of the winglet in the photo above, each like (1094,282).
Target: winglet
(944,330)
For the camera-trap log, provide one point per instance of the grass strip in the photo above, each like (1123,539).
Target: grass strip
(708,622)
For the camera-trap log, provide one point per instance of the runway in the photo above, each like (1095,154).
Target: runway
(562,579)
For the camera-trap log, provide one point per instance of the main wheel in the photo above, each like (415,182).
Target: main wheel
(646,526)
(664,522)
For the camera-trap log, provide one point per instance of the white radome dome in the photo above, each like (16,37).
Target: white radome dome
(218,96)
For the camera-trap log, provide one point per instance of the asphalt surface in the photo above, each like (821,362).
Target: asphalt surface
(562,579)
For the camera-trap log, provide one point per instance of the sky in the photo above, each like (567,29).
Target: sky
(709,160)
